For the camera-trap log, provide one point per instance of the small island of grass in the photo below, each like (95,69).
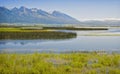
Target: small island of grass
(20,33)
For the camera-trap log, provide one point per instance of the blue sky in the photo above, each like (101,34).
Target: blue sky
(79,9)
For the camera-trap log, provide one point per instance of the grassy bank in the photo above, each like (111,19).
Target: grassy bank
(57,28)
(73,28)
(18,33)
(71,63)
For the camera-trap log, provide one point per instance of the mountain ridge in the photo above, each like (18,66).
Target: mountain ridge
(34,15)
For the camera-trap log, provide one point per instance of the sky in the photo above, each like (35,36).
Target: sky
(79,9)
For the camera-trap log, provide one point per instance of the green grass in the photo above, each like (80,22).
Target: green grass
(51,63)
(20,29)
(9,29)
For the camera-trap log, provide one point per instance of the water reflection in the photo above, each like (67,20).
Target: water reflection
(80,43)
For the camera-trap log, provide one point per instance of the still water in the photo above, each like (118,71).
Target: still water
(80,43)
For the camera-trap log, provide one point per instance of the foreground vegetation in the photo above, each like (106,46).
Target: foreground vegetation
(69,63)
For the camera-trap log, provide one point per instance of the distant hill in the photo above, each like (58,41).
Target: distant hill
(34,15)
(101,23)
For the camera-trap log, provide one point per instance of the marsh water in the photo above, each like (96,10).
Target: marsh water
(80,43)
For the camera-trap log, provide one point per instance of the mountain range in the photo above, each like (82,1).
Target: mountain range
(34,15)
(38,16)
